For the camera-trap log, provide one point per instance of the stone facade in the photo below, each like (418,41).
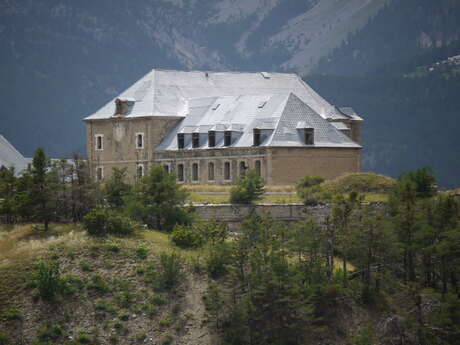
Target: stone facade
(119,146)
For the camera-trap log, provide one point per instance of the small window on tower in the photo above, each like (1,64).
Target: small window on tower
(195,140)
(99,142)
(180,141)
(140,140)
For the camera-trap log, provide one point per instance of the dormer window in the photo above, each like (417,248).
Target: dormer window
(309,137)
(195,140)
(180,141)
(256,133)
(139,140)
(211,139)
(99,142)
(227,138)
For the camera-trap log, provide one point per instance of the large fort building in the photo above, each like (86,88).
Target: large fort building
(210,127)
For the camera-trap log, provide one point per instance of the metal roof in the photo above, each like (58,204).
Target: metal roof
(170,93)
(10,157)
(278,120)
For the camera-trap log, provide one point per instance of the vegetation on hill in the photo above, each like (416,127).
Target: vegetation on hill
(363,273)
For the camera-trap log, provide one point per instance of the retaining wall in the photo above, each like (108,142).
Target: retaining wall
(234,214)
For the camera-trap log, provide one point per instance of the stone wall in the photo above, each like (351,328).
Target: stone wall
(119,142)
(289,165)
(232,215)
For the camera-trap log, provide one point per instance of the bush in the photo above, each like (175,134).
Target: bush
(48,279)
(249,189)
(142,253)
(170,272)
(186,237)
(100,222)
(309,181)
(218,258)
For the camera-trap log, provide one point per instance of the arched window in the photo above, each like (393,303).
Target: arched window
(243,168)
(180,172)
(259,168)
(227,174)
(166,168)
(195,172)
(140,140)
(140,171)
(211,171)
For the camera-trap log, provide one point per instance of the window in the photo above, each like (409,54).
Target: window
(227,138)
(166,168)
(195,140)
(256,137)
(195,172)
(243,168)
(180,141)
(211,171)
(227,174)
(99,173)
(140,171)
(99,142)
(139,140)
(211,139)
(309,136)
(180,172)
(258,168)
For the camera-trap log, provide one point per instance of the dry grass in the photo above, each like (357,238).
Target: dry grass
(26,241)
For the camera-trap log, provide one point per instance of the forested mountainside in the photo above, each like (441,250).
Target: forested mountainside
(392,73)
(401,36)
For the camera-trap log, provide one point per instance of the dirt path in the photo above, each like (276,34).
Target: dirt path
(197,332)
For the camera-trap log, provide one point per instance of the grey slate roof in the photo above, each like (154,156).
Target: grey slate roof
(10,157)
(281,120)
(169,92)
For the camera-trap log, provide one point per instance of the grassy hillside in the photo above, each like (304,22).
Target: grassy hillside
(110,295)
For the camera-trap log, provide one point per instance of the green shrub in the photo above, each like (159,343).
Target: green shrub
(142,253)
(85,267)
(186,237)
(167,339)
(309,181)
(170,272)
(83,338)
(124,316)
(12,313)
(218,258)
(50,333)
(113,248)
(158,300)
(48,278)
(248,189)
(98,284)
(100,222)
(165,322)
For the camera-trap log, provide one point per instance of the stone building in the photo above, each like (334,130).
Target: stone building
(210,127)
